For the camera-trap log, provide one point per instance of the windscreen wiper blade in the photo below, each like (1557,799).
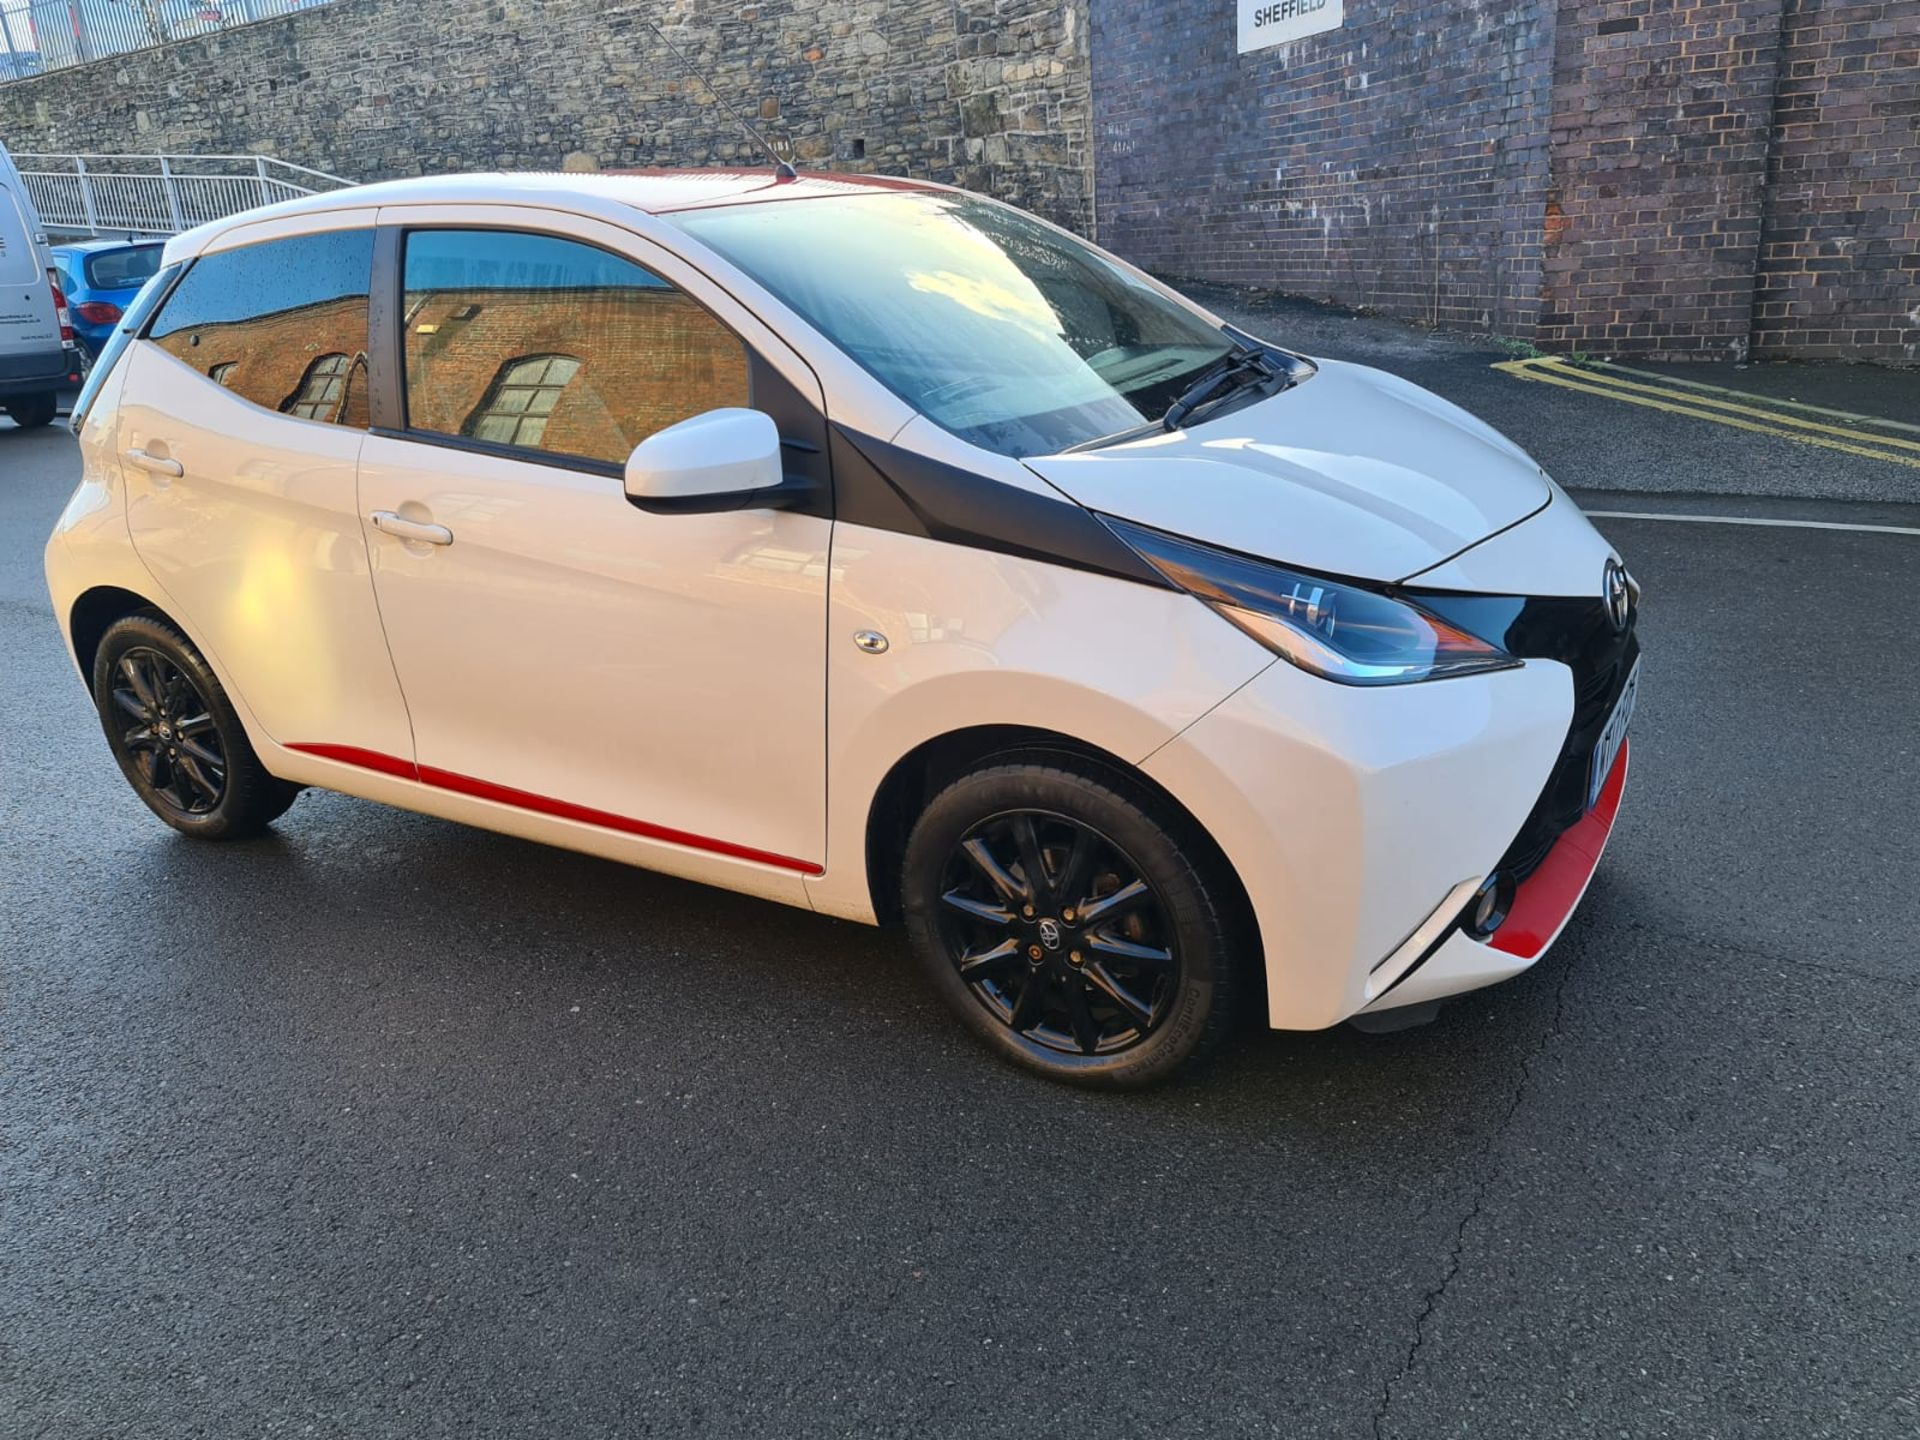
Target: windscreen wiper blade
(1236,370)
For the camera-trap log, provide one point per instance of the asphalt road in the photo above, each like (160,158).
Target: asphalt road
(384,1127)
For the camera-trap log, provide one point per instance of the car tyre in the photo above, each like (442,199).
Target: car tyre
(176,736)
(1119,966)
(31,412)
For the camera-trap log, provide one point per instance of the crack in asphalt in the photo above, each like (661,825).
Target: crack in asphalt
(1430,1302)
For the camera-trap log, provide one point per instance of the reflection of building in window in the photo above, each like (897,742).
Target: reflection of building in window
(523,396)
(221,372)
(323,389)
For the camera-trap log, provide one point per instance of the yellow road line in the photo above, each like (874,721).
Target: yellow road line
(1757,411)
(1528,370)
(1772,400)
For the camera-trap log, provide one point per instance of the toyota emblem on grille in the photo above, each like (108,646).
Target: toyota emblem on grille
(1613,589)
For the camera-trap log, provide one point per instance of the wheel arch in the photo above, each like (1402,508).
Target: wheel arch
(94,611)
(920,774)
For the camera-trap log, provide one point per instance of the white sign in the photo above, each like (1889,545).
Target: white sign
(1274,22)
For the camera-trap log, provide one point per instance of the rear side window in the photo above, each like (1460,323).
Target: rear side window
(122,269)
(282,323)
(553,346)
(136,315)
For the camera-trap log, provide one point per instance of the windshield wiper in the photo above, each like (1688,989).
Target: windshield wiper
(1239,368)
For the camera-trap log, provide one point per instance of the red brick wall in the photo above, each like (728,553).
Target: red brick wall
(1656,178)
(1395,163)
(1662,110)
(1840,247)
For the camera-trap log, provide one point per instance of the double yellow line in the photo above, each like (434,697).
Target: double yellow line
(1700,401)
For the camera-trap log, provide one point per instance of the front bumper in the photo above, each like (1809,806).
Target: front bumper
(1454,961)
(1352,815)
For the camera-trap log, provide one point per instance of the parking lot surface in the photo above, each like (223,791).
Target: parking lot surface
(384,1127)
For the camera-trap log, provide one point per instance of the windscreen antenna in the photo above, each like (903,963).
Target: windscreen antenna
(782,169)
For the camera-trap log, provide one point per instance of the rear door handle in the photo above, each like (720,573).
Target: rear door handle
(402,528)
(158,464)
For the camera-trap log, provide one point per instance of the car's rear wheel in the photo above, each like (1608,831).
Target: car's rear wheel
(30,412)
(176,736)
(1074,920)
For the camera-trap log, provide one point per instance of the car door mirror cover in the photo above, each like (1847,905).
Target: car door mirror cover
(720,460)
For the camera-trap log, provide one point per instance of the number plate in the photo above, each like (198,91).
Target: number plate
(1607,750)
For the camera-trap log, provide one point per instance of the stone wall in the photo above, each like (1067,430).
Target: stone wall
(990,94)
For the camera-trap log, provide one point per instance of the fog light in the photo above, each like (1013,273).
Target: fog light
(1487,911)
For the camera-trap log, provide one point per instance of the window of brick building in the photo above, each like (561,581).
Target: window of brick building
(323,389)
(555,346)
(282,324)
(522,397)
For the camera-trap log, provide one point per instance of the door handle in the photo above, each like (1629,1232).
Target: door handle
(158,464)
(402,528)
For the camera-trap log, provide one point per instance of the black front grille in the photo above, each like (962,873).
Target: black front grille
(1579,634)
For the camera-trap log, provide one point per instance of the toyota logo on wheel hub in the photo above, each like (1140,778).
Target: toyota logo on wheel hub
(1050,933)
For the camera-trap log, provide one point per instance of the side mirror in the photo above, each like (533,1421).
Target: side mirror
(722,460)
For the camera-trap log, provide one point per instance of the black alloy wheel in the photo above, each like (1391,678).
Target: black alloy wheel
(1079,923)
(167,729)
(177,737)
(1056,932)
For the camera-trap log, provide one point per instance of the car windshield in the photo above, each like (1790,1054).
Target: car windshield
(123,269)
(1011,335)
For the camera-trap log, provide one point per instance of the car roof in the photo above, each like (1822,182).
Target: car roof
(656,192)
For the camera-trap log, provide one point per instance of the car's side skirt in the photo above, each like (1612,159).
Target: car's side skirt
(547,805)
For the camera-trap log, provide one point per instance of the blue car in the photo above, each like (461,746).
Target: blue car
(100,279)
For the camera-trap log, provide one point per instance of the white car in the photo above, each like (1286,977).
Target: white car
(863,545)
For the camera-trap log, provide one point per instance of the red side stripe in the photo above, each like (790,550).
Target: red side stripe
(1543,903)
(365,759)
(544,805)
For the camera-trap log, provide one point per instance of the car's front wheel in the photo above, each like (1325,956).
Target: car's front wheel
(1074,920)
(176,736)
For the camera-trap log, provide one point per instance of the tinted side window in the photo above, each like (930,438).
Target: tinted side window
(282,323)
(552,345)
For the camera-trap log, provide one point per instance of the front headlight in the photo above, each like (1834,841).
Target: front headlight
(1332,628)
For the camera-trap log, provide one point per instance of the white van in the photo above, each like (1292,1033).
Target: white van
(37,354)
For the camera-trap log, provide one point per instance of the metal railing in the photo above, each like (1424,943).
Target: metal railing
(158,194)
(41,35)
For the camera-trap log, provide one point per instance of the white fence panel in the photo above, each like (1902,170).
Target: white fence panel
(158,194)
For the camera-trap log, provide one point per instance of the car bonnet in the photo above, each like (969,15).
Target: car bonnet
(1353,472)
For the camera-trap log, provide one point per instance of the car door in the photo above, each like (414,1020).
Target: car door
(659,677)
(239,429)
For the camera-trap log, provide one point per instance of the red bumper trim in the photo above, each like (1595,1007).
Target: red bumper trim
(544,805)
(1543,903)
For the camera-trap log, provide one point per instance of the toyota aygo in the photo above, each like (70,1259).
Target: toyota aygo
(867,546)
